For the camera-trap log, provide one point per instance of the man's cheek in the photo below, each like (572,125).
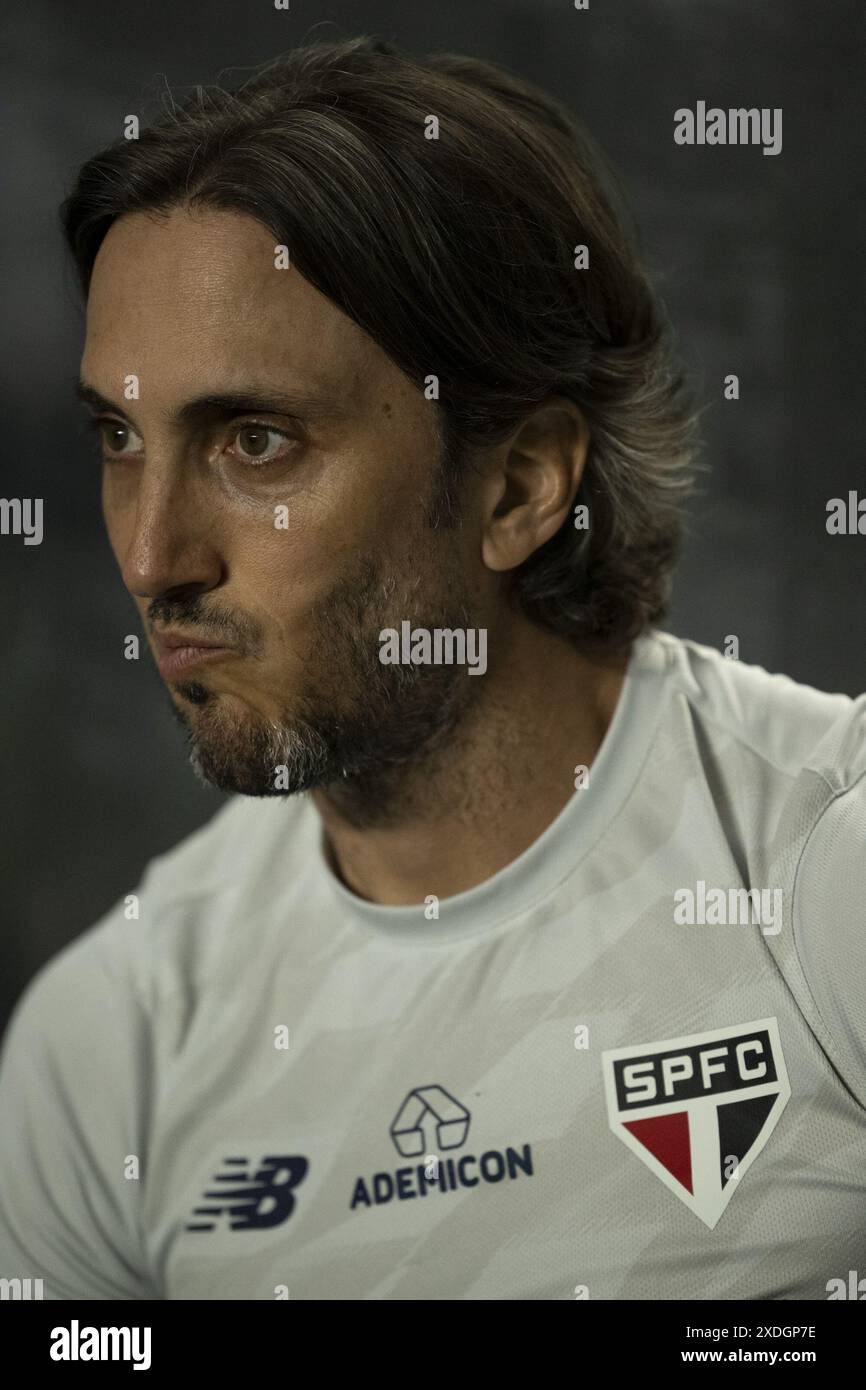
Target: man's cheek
(266,684)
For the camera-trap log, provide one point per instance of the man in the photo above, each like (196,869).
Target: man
(527,963)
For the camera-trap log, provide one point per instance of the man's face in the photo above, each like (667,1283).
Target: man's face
(289,534)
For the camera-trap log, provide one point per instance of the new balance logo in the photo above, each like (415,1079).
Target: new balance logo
(250,1201)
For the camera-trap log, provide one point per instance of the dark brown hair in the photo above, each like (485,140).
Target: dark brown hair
(457,256)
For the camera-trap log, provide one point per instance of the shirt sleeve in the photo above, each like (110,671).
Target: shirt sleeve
(73,1121)
(829,916)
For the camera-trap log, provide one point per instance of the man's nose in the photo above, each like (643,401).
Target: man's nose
(171,545)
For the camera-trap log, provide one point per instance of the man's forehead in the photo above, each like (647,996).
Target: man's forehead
(202,291)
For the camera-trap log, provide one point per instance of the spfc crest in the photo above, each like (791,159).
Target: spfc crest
(699,1110)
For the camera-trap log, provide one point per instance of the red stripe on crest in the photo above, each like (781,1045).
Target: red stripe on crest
(667,1138)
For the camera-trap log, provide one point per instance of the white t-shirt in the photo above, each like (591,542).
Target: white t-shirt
(603,1072)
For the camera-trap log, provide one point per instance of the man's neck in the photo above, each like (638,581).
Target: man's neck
(506,775)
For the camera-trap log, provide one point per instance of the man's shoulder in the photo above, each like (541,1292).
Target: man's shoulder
(789,725)
(786,766)
(244,840)
(250,856)
(168,918)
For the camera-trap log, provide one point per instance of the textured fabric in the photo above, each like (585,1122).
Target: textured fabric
(452,1116)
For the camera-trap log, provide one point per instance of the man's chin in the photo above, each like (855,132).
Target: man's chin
(254,766)
(237,750)
(231,773)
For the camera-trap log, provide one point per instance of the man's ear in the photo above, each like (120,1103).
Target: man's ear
(531,483)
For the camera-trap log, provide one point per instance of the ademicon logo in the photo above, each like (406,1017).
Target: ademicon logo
(428,1123)
(698,1110)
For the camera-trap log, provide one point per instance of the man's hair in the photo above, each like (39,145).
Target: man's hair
(456,255)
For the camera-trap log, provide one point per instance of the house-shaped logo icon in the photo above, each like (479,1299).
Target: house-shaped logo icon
(429,1120)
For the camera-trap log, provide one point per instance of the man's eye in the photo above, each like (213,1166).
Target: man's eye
(260,444)
(118,439)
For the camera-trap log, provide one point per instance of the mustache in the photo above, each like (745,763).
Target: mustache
(236,630)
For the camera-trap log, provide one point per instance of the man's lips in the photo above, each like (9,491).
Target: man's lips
(176,652)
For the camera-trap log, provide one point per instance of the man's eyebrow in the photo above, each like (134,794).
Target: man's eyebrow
(225,404)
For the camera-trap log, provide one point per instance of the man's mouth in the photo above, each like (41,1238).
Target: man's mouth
(177,652)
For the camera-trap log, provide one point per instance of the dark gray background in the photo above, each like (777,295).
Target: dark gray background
(758,259)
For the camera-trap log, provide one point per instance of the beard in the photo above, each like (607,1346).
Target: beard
(362,731)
